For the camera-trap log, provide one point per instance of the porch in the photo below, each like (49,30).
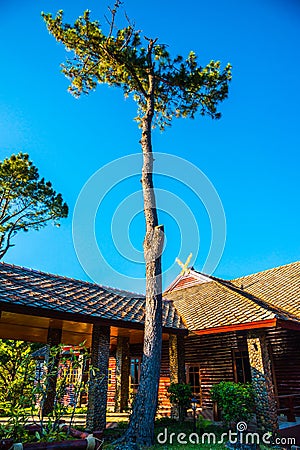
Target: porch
(49,309)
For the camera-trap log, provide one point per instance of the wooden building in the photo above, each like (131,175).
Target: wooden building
(246,329)
(46,308)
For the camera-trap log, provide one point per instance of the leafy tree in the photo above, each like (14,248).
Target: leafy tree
(17,371)
(26,200)
(163,88)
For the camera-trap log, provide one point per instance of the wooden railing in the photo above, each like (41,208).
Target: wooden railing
(289,405)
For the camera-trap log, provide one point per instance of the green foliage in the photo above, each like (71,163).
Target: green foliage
(17,371)
(73,361)
(21,389)
(17,402)
(236,400)
(202,424)
(26,200)
(142,67)
(180,394)
(166,422)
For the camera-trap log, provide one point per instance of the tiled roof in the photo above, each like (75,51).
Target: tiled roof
(279,287)
(28,288)
(272,294)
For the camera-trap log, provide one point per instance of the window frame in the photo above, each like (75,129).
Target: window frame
(188,381)
(240,354)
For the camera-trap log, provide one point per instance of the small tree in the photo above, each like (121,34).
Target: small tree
(180,396)
(17,371)
(163,87)
(27,202)
(235,400)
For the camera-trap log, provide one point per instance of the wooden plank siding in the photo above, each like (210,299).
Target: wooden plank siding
(214,355)
(164,406)
(111,384)
(285,349)
(136,350)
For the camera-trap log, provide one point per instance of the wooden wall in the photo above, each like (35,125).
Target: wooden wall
(136,350)
(164,406)
(111,384)
(214,355)
(285,350)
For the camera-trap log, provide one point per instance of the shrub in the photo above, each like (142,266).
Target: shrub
(180,396)
(236,401)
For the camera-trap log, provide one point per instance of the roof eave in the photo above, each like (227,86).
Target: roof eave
(238,327)
(82,318)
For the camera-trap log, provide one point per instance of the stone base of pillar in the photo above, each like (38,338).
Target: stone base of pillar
(97,396)
(122,374)
(53,340)
(261,372)
(177,359)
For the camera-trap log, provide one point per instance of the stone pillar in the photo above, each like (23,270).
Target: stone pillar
(97,397)
(53,340)
(122,374)
(177,369)
(261,372)
(177,358)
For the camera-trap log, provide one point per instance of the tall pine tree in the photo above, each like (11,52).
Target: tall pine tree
(163,88)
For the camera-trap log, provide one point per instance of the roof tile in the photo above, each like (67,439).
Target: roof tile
(34,289)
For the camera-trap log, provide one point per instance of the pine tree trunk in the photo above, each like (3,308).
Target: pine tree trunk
(141,427)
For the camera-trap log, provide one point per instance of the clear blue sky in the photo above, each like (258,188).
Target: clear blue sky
(251,155)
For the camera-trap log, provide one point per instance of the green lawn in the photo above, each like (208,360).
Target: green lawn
(172,442)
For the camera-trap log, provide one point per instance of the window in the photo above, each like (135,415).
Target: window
(135,366)
(241,366)
(193,378)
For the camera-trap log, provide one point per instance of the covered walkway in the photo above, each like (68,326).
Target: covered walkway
(51,309)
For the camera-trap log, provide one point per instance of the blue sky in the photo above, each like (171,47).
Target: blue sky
(251,155)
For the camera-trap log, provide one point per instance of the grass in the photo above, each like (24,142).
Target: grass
(172,426)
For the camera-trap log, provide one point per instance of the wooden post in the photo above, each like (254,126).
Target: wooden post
(122,374)
(97,397)
(53,339)
(261,372)
(177,358)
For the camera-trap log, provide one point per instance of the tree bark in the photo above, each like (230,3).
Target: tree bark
(141,426)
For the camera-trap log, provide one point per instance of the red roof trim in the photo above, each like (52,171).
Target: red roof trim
(240,326)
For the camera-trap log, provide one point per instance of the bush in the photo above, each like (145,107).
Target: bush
(180,396)
(236,401)
(165,422)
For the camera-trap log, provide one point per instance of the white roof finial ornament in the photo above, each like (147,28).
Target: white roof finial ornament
(184,266)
